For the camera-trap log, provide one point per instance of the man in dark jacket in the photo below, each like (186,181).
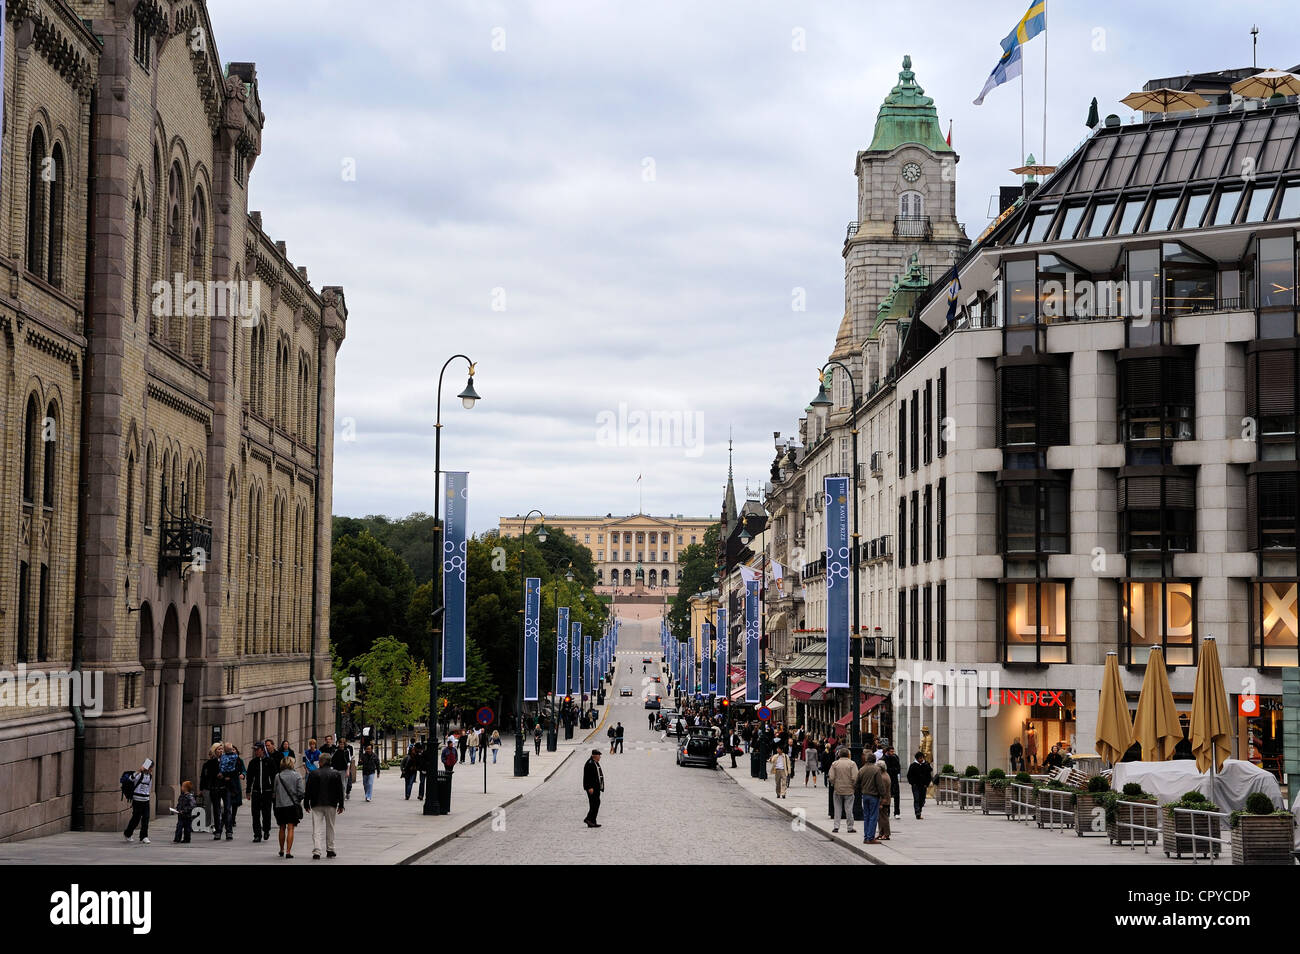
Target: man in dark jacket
(259,787)
(341,762)
(895,768)
(593,783)
(324,798)
(919,774)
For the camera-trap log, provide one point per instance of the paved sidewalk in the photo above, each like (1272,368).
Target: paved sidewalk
(386,831)
(949,836)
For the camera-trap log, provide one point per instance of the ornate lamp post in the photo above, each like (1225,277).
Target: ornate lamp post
(822,400)
(468,398)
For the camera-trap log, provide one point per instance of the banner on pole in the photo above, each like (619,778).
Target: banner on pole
(753,634)
(837,582)
(532,635)
(562,653)
(454,529)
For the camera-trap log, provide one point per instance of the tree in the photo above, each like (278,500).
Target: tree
(698,562)
(395,688)
(478,688)
(371,589)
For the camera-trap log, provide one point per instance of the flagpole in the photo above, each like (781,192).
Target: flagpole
(1044,159)
(1021,160)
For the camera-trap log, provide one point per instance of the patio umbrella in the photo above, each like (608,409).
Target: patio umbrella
(1164,100)
(1268,83)
(1156,726)
(1211,727)
(1114,727)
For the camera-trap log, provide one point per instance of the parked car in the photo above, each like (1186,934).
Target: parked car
(667,721)
(625,691)
(700,747)
(652,702)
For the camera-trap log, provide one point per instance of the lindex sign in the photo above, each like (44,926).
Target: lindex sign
(1027,697)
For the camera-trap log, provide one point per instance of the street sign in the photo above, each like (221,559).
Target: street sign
(764,713)
(485,716)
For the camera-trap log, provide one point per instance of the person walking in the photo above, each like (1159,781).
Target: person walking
(234,788)
(651,720)
(462,743)
(735,746)
(341,761)
(449,756)
(311,756)
(495,743)
(226,766)
(537,741)
(919,774)
(885,799)
(324,798)
(472,745)
(840,778)
(289,792)
(780,765)
(484,741)
(609,734)
(895,769)
(869,783)
(259,786)
(185,813)
(369,769)
(410,771)
(141,783)
(618,737)
(208,776)
(810,762)
(593,783)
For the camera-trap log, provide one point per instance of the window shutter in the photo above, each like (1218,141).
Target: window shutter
(1252,512)
(1053,400)
(1276,382)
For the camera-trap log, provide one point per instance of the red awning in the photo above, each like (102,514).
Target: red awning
(868,704)
(804,688)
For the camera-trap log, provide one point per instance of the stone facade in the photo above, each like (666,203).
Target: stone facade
(192,571)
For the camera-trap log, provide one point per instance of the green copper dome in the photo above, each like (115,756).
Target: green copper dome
(907,115)
(902,293)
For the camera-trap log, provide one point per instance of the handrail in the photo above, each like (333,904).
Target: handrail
(1016,801)
(1194,812)
(1133,826)
(1056,815)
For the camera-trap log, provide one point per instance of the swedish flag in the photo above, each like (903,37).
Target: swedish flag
(1031,24)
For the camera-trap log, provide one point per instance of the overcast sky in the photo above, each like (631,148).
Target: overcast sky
(614,205)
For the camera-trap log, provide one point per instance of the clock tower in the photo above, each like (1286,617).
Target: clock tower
(906,204)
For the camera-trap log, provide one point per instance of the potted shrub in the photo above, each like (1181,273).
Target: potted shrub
(1089,809)
(1123,821)
(995,792)
(1011,795)
(1179,826)
(1261,834)
(1050,803)
(970,787)
(946,791)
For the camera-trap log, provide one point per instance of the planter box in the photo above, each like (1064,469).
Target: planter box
(971,793)
(995,800)
(946,790)
(1086,809)
(1051,802)
(1263,840)
(1120,832)
(1186,825)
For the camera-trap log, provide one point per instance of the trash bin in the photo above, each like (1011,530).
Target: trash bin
(521,764)
(568,731)
(552,741)
(444,793)
(755,764)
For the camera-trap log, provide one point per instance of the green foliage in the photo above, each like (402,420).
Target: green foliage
(997,773)
(1257,803)
(478,688)
(396,688)
(1196,800)
(972,771)
(698,561)
(948,769)
(370,595)
(1098,783)
(411,538)
(1024,778)
(1134,790)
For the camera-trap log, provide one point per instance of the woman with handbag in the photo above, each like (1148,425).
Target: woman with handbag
(289,792)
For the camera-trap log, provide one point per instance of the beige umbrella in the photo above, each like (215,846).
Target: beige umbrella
(1268,83)
(1212,720)
(1156,726)
(1114,727)
(1164,100)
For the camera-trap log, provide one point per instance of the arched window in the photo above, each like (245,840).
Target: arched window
(164,488)
(137,223)
(156,241)
(37,193)
(49,436)
(187,492)
(600,575)
(130,501)
(148,485)
(175,252)
(198,495)
(627,577)
(31,434)
(198,324)
(54,257)
(654,578)
(911,204)
(231,498)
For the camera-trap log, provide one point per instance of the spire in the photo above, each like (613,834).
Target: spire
(907,115)
(729,502)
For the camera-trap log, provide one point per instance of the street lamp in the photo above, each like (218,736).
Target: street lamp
(468,397)
(822,400)
(521,757)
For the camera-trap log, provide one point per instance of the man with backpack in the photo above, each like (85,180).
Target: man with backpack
(137,787)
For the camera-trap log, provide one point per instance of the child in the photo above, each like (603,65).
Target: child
(184,814)
(312,756)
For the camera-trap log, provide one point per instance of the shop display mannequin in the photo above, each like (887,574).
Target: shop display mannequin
(927,744)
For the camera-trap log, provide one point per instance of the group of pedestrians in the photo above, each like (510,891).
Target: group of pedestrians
(473,744)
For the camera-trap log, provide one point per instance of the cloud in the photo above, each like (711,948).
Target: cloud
(642,188)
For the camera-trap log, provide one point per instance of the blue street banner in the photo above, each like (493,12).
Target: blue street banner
(455,526)
(532,635)
(690,665)
(753,635)
(721,669)
(837,582)
(586,664)
(562,654)
(575,653)
(704,658)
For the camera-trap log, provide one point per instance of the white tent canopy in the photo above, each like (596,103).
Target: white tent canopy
(1170,781)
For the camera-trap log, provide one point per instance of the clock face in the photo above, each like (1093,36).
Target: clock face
(911,172)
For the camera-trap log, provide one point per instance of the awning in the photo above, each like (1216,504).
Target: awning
(868,704)
(804,689)
(738,695)
(775,621)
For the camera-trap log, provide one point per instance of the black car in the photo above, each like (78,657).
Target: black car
(700,747)
(652,702)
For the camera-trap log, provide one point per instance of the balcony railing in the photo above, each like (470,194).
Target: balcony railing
(912,226)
